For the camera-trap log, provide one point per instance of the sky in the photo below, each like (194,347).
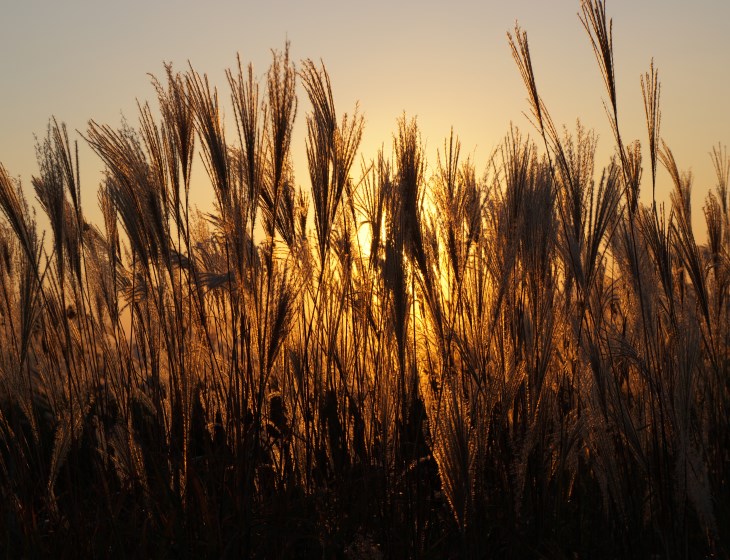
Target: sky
(446,63)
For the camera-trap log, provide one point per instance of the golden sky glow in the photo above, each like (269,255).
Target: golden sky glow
(447,64)
(414,300)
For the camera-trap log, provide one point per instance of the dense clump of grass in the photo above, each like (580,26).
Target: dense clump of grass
(528,363)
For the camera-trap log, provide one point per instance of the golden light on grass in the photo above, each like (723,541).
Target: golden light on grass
(396,361)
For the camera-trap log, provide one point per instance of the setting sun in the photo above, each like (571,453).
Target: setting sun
(407,285)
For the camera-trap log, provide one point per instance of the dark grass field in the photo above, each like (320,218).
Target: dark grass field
(524,362)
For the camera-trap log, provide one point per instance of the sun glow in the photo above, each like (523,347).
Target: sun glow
(406,360)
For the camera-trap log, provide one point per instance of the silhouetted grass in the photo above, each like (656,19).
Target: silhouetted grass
(527,363)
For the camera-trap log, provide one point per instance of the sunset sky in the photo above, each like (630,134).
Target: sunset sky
(449,64)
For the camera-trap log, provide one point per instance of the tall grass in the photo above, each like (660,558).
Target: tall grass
(528,362)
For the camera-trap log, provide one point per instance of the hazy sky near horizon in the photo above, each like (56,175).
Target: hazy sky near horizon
(449,64)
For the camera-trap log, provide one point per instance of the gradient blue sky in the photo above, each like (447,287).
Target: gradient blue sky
(446,63)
